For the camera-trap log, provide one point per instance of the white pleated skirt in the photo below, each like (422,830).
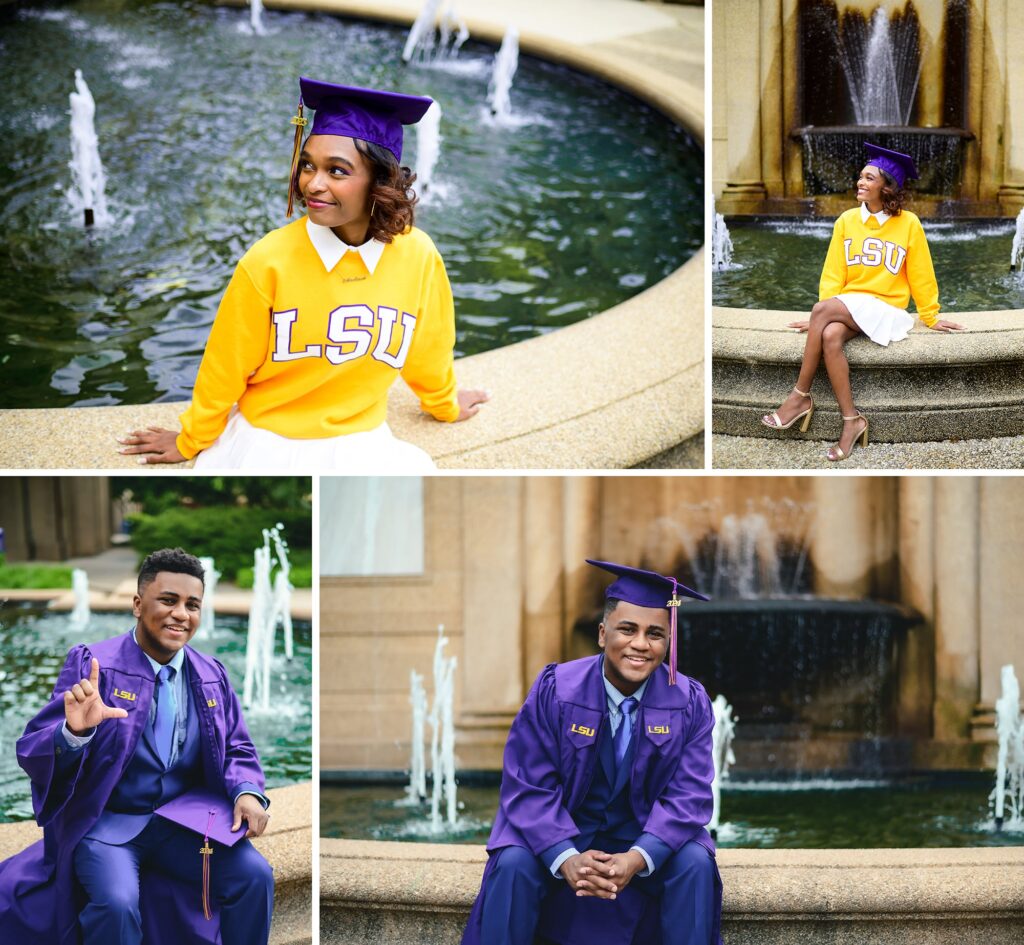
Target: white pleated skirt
(371,453)
(878,320)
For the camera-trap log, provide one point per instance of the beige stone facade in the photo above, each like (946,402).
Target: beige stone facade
(756,99)
(504,573)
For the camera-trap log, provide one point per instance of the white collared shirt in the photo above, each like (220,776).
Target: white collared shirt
(330,247)
(881,216)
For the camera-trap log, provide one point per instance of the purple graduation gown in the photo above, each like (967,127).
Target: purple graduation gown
(552,750)
(40,898)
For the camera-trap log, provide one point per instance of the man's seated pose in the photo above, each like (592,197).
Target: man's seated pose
(134,722)
(605,793)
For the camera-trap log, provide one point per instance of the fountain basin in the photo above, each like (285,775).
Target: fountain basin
(421,895)
(559,400)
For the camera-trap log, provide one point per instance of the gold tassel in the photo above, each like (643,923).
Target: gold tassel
(299,123)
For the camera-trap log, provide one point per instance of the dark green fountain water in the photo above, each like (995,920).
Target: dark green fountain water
(584,198)
(777,265)
(33,644)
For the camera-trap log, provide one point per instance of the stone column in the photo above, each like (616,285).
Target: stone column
(1011,190)
(542,565)
(736,134)
(1001,593)
(956,605)
(773,95)
(929,88)
(917,590)
(843,536)
(581,531)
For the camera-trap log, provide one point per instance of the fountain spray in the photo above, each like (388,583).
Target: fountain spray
(442,737)
(721,751)
(80,585)
(1010,760)
(210,577)
(428,146)
(87,178)
(256,17)
(505,65)
(721,242)
(1017,249)
(271,605)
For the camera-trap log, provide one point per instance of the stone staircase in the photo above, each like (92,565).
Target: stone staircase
(930,387)
(420,894)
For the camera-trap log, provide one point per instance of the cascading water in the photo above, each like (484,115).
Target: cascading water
(88,182)
(210,577)
(1008,792)
(80,586)
(721,752)
(416,790)
(271,606)
(256,17)
(721,242)
(442,739)
(505,64)
(882,69)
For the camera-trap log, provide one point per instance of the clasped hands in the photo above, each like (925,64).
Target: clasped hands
(602,875)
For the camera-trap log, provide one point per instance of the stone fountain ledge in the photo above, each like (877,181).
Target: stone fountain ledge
(610,392)
(287,845)
(963,388)
(420,894)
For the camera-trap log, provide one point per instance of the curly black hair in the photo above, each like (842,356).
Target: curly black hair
(894,197)
(174,560)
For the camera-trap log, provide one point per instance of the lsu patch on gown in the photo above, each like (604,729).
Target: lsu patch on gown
(550,760)
(40,899)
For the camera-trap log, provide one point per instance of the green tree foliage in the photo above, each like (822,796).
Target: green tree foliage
(158,494)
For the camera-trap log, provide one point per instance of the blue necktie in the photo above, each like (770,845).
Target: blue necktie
(625,731)
(166,713)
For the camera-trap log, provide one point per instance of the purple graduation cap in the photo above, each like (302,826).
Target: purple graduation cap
(649,589)
(369,114)
(210,815)
(897,165)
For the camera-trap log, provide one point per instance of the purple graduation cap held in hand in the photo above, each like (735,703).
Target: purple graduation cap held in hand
(210,815)
(352,112)
(899,166)
(649,589)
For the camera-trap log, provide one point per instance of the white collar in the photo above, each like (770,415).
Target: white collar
(174,661)
(881,216)
(330,248)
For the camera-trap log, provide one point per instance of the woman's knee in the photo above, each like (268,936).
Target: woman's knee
(833,337)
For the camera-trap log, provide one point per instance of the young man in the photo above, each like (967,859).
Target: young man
(137,721)
(606,789)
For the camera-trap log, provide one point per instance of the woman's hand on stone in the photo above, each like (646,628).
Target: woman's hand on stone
(83,707)
(158,445)
(799,326)
(470,401)
(943,325)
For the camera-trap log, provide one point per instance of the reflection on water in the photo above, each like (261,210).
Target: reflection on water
(33,645)
(585,199)
(777,265)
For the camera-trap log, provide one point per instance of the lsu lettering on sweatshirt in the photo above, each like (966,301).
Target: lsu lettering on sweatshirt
(311,334)
(889,260)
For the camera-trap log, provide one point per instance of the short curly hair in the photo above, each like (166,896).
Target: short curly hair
(174,560)
(391,196)
(894,197)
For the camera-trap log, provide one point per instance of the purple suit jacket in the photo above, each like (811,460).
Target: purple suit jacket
(552,750)
(39,896)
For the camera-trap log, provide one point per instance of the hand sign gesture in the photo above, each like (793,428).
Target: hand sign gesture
(83,707)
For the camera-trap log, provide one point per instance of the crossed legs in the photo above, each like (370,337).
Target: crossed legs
(829,329)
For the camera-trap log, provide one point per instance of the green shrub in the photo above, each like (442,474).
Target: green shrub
(301,574)
(34,576)
(227,534)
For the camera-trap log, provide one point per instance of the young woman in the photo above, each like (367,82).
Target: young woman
(877,259)
(322,315)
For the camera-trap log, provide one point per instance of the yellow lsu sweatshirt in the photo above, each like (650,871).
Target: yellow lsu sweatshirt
(308,352)
(890,261)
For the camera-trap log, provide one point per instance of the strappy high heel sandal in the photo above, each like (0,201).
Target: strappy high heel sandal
(807,414)
(838,450)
